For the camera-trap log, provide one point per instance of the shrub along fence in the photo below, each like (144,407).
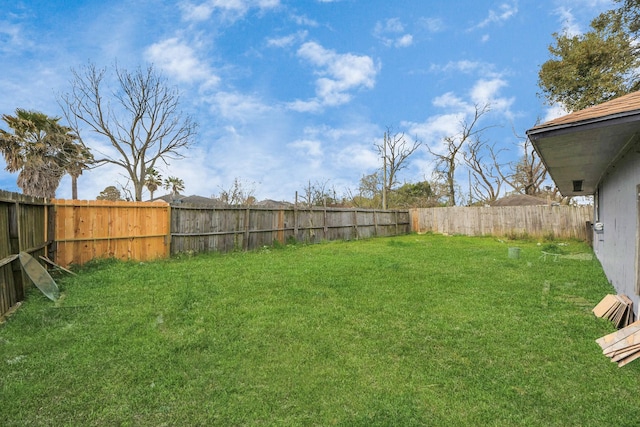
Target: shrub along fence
(563,222)
(25,226)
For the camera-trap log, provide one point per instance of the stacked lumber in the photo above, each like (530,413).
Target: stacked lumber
(622,346)
(617,308)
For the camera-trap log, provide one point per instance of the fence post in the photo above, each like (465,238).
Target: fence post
(396,219)
(355,223)
(324,221)
(295,218)
(246,228)
(375,222)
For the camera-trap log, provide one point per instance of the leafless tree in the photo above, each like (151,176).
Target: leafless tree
(482,160)
(446,163)
(239,194)
(318,194)
(528,174)
(139,118)
(394,150)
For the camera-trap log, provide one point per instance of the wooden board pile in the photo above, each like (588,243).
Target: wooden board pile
(622,346)
(617,308)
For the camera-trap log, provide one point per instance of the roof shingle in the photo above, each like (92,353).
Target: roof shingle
(624,105)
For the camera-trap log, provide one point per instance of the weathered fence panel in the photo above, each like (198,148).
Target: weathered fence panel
(566,222)
(88,229)
(24,226)
(201,228)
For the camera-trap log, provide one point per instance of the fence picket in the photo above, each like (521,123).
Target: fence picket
(565,222)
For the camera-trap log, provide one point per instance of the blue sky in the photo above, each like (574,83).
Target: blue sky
(287,92)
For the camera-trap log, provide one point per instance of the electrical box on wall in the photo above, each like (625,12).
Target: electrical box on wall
(598,226)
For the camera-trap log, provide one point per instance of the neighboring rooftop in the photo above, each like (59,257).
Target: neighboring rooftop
(519,200)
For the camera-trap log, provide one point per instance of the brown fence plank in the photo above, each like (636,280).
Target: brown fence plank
(88,229)
(194,228)
(567,222)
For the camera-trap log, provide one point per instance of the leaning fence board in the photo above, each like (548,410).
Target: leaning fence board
(605,305)
(623,346)
(617,308)
(616,336)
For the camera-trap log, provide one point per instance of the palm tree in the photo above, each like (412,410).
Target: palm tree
(152,180)
(78,159)
(42,151)
(176,185)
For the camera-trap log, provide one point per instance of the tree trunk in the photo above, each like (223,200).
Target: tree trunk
(74,187)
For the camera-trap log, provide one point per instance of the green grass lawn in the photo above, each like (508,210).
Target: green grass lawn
(412,330)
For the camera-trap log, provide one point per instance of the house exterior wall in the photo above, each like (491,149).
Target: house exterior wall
(617,209)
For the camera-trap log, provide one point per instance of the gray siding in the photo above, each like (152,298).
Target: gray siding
(616,209)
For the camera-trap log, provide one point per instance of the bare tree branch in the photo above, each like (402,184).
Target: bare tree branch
(446,163)
(394,150)
(140,119)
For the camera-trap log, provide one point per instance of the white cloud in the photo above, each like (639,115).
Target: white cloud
(391,33)
(180,60)
(359,157)
(12,39)
(435,128)
(432,25)
(458,110)
(505,12)
(238,107)
(487,92)
(308,147)
(303,20)
(404,41)
(228,9)
(554,112)
(339,74)
(449,101)
(569,25)
(286,41)
(310,106)
(484,69)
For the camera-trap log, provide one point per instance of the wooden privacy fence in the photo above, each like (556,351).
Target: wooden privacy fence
(566,222)
(201,229)
(91,229)
(25,225)
(143,230)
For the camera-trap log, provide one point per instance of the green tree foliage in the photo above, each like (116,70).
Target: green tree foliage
(152,180)
(413,195)
(596,66)
(174,184)
(110,193)
(42,151)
